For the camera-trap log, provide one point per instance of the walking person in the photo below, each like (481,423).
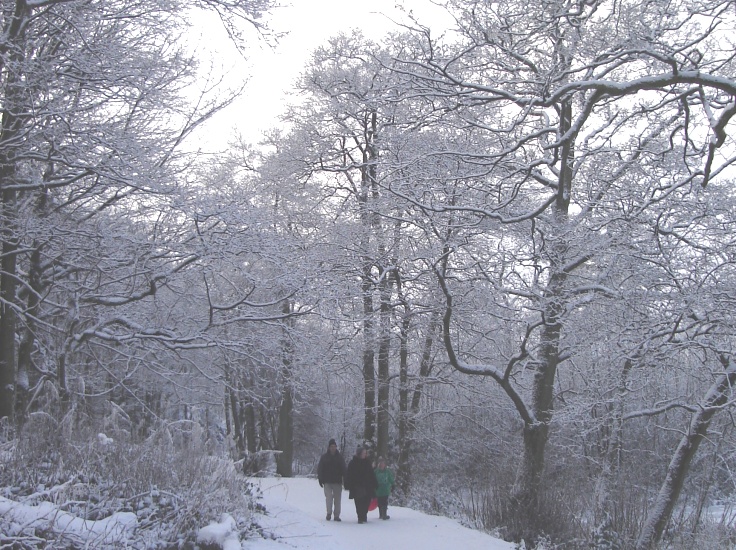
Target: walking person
(385,479)
(330,474)
(361,482)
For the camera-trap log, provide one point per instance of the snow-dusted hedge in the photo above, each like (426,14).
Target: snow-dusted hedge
(62,489)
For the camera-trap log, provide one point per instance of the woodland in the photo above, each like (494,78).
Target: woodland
(503,255)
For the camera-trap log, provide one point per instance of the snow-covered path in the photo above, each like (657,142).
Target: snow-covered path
(296,515)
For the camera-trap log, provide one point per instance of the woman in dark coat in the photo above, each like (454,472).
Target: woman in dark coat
(361,482)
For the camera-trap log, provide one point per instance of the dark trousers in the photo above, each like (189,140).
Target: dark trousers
(382,505)
(361,507)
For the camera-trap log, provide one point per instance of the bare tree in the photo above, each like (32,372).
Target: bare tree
(572,117)
(93,121)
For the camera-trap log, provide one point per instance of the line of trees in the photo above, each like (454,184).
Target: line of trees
(523,176)
(510,244)
(108,289)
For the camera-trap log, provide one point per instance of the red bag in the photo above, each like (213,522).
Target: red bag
(373,505)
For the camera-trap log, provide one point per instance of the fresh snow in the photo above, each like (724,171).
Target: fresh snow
(223,534)
(296,519)
(47,517)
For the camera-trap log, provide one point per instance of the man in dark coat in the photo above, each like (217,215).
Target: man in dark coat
(361,482)
(330,473)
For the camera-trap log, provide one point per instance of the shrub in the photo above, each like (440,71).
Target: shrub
(169,481)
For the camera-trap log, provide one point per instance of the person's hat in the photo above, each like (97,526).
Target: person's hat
(381,459)
(359,450)
(332,442)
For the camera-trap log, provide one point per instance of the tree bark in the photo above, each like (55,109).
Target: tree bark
(8,285)
(369,369)
(384,347)
(285,459)
(536,435)
(405,424)
(235,420)
(677,471)
(251,431)
(408,410)
(11,124)
(370,220)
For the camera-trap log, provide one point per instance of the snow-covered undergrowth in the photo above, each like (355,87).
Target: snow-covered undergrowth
(62,490)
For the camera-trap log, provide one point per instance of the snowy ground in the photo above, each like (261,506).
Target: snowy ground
(295,519)
(296,515)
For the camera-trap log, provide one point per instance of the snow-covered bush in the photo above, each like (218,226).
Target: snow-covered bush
(62,492)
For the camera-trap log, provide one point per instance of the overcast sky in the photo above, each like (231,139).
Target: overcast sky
(309,23)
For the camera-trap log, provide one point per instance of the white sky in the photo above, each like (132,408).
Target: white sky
(309,23)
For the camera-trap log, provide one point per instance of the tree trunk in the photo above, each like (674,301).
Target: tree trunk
(369,370)
(607,481)
(251,432)
(285,459)
(371,221)
(264,439)
(405,428)
(530,509)
(669,492)
(8,360)
(409,410)
(235,425)
(384,346)
(11,123)
(28,340)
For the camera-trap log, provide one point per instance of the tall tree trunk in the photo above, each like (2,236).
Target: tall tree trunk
(369,368)
(285,459)
(251,428)
(27,342)
(669,492)
(14,41)
(384,346)
(536,434)
(403,470)
(370,220)
(8,358)
(235,423)
(604,511)
(409,410)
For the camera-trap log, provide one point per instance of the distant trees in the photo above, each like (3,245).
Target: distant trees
(93,224)
(539,170)
(345,124)
(521,226)
(585,129)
